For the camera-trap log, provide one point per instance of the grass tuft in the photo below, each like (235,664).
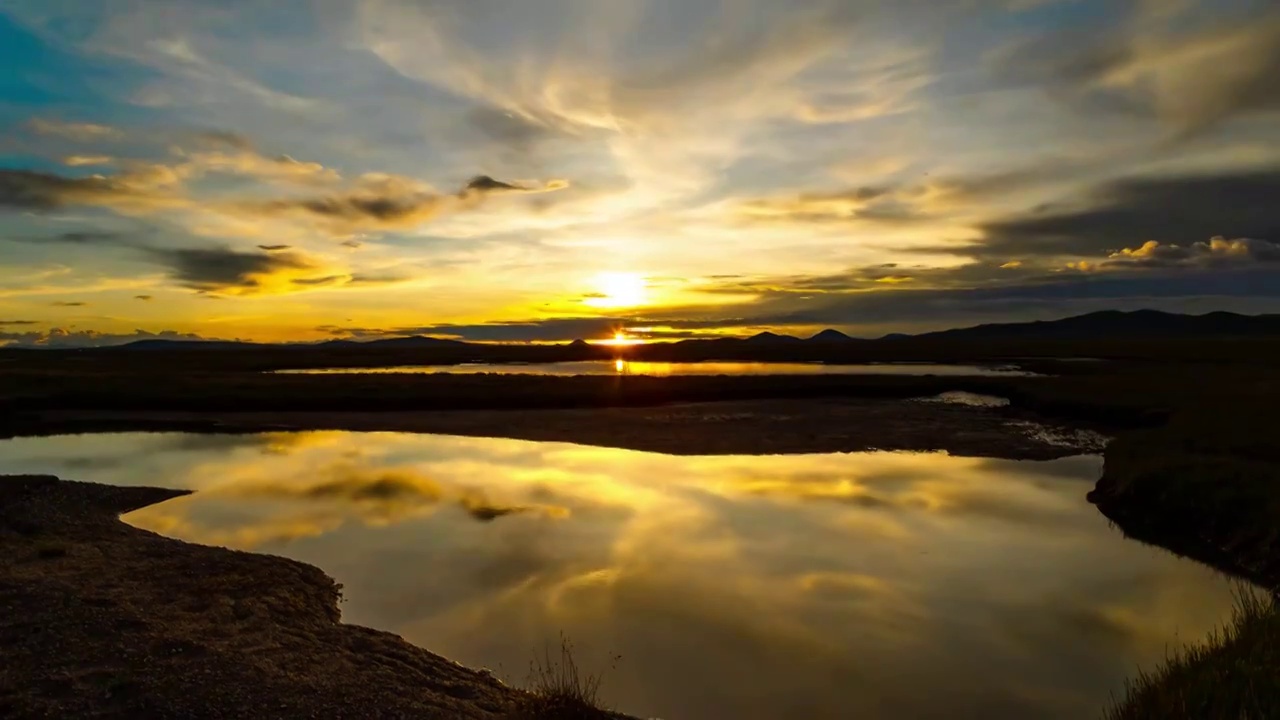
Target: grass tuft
(1230,676)
(558,689)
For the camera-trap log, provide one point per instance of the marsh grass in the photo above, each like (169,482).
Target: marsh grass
(558,689)
(1232,675)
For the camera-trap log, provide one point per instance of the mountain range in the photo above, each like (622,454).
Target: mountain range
(1093,326)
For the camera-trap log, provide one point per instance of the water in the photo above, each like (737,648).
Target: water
(663,369)
(872,585)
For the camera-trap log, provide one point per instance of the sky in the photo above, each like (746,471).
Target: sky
(543,170)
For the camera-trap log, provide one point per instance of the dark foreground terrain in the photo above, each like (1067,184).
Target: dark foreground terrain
(1194,467)
(99,619)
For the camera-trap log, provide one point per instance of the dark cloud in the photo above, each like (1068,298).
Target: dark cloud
(536,330)
(484,183)
(1191,79)
(64,303)
(143,297)
(218,270)
(66,338)
(375,203)
(19,322)
(1055,294)
(1176,210)
(479,507)
(394,202)
(323,280)
(31,190)
(386,494)
(379,209)
(370,280)
(78,237)
(90,238)
(273,248)
(549,330)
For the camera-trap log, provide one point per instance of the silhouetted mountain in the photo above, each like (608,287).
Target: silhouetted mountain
(768,337)
(189,345)
(830,335)
(1116,323)
(413,341)
(1109,324)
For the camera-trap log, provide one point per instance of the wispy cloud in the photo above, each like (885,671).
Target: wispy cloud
(76,131)
(390,147)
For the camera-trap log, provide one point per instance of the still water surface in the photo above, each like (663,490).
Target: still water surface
(663,369)
(870,585)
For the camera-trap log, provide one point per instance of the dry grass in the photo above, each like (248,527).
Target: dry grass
(559,690)
(1230,676)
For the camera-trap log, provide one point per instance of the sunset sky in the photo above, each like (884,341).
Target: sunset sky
(542,170)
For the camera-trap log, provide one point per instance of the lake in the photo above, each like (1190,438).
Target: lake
(663,369)
(869,585)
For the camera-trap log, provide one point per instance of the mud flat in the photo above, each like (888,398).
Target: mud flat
(99,619)
(744,427)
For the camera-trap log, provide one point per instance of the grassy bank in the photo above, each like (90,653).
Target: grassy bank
(1231,676)
(1206,484)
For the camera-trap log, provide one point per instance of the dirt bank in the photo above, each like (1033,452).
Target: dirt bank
(102,620)
(749,427)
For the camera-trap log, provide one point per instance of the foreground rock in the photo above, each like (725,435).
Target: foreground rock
(100,619)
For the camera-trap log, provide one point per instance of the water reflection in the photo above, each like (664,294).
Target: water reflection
(622,366)
(870,585)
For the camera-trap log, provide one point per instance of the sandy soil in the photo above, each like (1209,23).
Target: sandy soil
(99,619)
(754,427)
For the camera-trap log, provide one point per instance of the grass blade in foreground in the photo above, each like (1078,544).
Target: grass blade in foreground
(1232,675)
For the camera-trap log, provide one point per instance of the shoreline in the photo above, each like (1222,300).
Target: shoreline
(755,427)
(1189,471)
(102,619)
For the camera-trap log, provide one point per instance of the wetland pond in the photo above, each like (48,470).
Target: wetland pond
(870,585)
(665,369)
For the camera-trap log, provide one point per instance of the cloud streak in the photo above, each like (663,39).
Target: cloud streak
(842,158)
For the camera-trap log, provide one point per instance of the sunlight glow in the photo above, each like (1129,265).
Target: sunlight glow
(618,289)
(620,339)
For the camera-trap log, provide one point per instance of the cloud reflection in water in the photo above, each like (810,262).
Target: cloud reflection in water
(817,586)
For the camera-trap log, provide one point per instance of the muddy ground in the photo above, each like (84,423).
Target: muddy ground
(99,619)
(747,427)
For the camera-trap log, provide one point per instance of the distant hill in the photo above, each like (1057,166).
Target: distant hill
(768,337)
(413,341)
(830,335)
(189,345)
(1107,324)
(1116,323)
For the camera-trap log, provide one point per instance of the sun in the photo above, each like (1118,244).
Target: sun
(621,339)
(618,290)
